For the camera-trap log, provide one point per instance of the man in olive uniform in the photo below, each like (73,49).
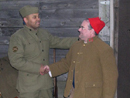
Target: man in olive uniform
(29,51)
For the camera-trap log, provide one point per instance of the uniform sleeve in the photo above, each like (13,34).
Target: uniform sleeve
(62,43)
(16,57)
(61,66)
(110,73)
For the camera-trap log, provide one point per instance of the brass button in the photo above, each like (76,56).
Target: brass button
(84,45)
(73,61)
(94,85)
(78,53)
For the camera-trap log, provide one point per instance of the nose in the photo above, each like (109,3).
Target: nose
(79,29)
(38,18)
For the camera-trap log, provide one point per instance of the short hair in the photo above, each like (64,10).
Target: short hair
(90,27)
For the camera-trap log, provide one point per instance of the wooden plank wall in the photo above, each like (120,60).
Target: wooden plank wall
(60,17)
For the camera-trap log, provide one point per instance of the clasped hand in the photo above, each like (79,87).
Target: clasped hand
(44,69)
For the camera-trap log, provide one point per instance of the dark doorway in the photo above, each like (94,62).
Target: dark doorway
(123,90)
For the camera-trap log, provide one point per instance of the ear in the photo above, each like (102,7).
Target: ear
(25,19)
(92,32)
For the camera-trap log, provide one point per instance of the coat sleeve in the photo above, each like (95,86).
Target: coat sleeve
(16,57)
(62,43)
(61,66)
(110,73)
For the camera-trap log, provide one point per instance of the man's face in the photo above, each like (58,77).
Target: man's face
(32,21)
(85,33)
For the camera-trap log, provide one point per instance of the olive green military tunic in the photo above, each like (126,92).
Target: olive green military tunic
(29,49)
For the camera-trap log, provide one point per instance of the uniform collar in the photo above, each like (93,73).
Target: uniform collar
(31,30)
(91,40)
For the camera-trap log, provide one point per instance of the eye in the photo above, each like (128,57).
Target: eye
(34,17)
(81,27)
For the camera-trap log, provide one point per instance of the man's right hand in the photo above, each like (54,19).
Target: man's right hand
(44,69)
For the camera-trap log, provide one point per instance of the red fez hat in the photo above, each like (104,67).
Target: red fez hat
(97,24)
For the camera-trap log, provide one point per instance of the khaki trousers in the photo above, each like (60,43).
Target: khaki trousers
(47,93)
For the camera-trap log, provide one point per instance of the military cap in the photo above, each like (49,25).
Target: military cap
(27,10)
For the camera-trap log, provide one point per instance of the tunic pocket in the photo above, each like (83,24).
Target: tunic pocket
(32,48)
(28,79)
(93,90)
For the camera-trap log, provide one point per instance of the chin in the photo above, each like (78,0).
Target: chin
(37,26)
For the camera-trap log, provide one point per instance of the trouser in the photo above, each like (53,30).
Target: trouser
(46,93)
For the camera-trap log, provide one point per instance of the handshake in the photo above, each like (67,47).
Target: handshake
(44,69)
